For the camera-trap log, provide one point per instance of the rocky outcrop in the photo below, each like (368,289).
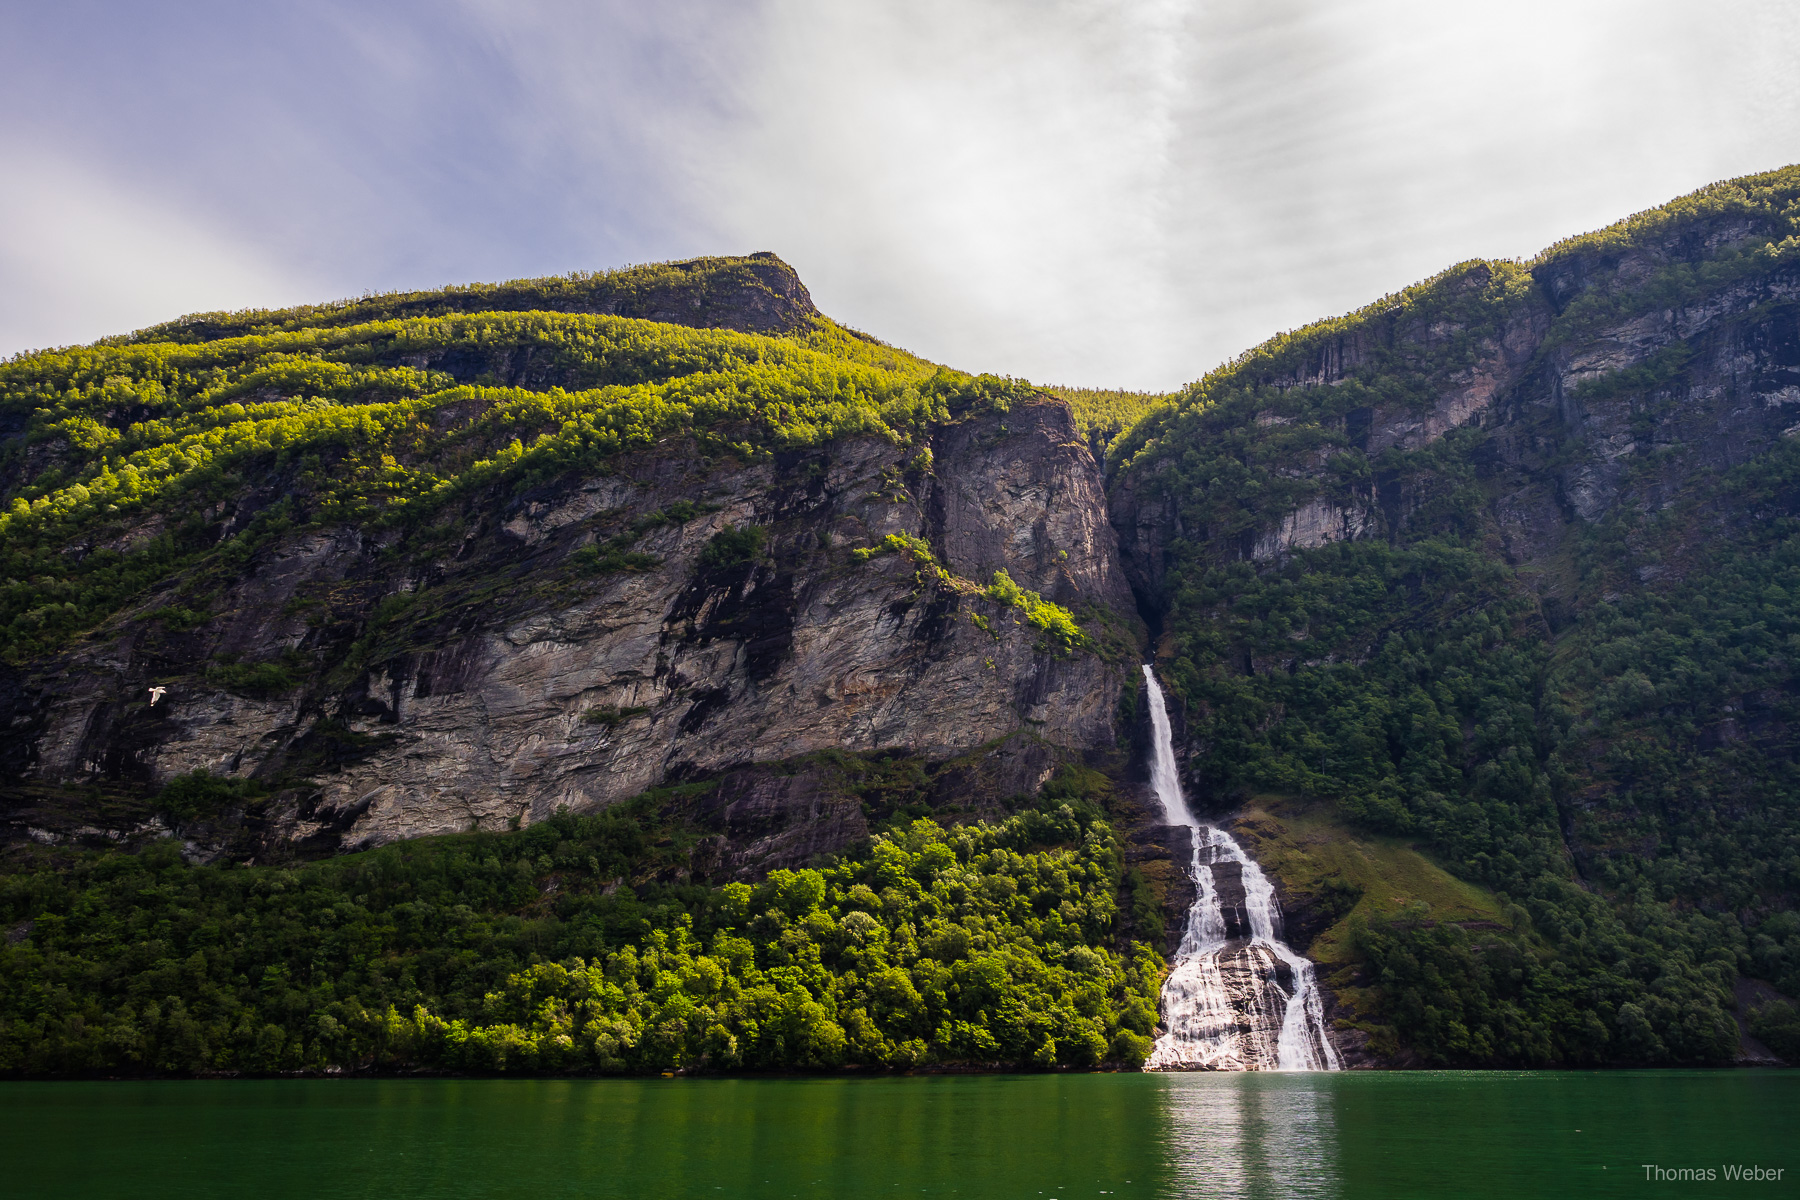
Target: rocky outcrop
(520,671)
(1579,415)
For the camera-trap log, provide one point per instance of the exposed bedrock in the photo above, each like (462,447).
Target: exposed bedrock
(1568,437)
(512,682)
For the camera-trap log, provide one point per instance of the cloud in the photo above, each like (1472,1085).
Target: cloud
(1130,193)
(978,181)
(349,146)
(1110,193)
(85,255)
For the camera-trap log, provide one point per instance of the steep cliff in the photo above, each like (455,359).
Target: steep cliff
(1503,564)
(703,597)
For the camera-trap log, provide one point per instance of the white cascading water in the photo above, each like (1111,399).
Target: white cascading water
(1224,1004)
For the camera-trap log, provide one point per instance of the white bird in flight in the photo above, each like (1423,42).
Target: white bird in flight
(156,693)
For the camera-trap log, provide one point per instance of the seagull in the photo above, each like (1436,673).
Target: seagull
(156,693)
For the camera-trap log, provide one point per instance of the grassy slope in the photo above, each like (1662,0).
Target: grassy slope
(1319,856)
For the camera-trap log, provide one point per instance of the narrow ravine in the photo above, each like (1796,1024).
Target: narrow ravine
(1238,998)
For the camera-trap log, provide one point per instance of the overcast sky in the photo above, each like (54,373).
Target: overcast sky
(1118,193)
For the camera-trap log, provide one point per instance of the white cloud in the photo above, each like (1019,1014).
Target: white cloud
(1132,192)
(84,255)
(980,182)
(1116,192)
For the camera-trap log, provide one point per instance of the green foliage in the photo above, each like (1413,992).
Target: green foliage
(178,618)
(200,794)
(1101,414)
(1494,1000)
(1776,1024)
(732,546)
(916,549)
(134,449)
(1775,951)
(1377,659)
(1749,226)
(555,949)
(1061,635)
(629,291)
(1142,904)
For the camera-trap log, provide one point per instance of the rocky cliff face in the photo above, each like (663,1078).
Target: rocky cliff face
(508,683)
(1580,409)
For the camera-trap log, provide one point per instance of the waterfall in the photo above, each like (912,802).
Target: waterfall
(1237,998)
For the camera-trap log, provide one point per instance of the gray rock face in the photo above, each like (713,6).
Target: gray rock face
(527,685)
(1707,385)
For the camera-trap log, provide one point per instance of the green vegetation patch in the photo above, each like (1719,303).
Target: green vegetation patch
(1101,414)
(1061,634)
(733,546)
(575,946)
(1352,874)
(200,795)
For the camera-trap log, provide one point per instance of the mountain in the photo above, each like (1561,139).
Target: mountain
(483,568)
(1505,564)
(641,670)
(679,580)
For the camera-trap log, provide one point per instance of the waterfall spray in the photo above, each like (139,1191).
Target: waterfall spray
(1238,998)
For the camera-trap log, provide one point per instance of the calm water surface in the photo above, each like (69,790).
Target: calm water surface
(1034,1136)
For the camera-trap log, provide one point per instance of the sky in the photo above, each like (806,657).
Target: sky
(1110,194)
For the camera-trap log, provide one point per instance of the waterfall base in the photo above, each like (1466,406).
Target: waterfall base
(1238,998)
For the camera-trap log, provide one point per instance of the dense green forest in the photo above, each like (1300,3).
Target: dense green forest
(1102,414)
(1557,744)
(574,945)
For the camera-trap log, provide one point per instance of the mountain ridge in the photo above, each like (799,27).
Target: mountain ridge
(1458,583)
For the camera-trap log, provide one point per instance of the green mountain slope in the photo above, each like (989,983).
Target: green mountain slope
(236,526)
(145,458)
(1505,564)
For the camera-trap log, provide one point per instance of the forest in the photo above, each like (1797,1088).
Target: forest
(570,946)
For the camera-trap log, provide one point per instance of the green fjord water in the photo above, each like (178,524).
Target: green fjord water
(1462,1134)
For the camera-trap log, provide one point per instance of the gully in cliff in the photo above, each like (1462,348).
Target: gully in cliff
(1238,998)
